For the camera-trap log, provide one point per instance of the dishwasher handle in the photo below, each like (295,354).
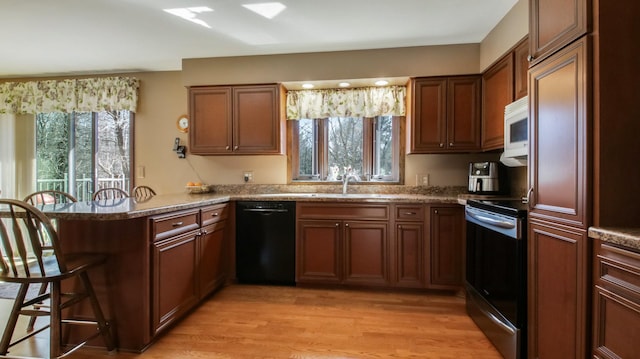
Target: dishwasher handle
(265,210)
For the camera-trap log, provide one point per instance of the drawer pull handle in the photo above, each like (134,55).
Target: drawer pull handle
(214,214)
(410,213)
(177,224)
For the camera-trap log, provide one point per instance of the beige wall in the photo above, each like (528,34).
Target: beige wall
(511,29)
(163,98)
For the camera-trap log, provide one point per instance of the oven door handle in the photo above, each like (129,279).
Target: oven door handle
(501,324)
(490,221)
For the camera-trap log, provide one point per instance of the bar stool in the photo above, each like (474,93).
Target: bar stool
(30,253)
(142,192)
(49,196)
(109,193)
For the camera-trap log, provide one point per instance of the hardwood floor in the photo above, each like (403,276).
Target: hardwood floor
(244,321)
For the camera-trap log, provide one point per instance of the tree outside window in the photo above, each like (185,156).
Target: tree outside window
(83,151)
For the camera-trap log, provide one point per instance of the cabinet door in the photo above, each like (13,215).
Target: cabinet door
(497,92)
(428,129)
(409,255)
(366,253)
(174,278)
(213,256)
(463,114)
(558,294)
(559,137)
(319,253)
(210,112)
(444,264)
(554,24)
(256,125)
(521,69)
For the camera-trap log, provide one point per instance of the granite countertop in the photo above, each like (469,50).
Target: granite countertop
(126,208)
(627,237)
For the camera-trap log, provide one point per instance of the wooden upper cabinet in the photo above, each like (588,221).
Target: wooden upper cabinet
(559,130)
(446,115)
(236,120)
(497,92)
(521,69)
(553,24)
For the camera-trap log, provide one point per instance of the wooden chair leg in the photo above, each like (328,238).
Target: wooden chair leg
(55,320)
(103,325)
(13,319)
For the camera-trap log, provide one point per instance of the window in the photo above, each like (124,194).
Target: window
(322,149)
(80,152)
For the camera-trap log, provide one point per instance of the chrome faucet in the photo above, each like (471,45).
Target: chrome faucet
(345,181)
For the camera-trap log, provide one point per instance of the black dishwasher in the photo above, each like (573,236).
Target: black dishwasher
(265,242)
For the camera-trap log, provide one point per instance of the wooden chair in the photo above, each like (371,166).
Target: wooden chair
(141,192)
(48,197)
(30,253)
(109,193)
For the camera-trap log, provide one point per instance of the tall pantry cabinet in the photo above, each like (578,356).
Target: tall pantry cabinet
(581,51)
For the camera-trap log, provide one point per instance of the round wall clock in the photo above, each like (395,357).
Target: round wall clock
(183,123)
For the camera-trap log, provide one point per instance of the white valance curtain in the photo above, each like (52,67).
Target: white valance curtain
(359,102)
(80,95)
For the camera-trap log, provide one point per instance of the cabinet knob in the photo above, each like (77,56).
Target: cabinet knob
(346,225)
(235,148)
(435,211)
(441,145)
(227,148)
(337,224)
(450,144)
(529,58)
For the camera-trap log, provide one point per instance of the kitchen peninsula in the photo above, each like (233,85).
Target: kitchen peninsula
(169,252)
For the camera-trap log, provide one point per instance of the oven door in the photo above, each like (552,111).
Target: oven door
(496,279)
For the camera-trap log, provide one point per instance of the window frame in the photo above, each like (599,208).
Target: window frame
(321,165)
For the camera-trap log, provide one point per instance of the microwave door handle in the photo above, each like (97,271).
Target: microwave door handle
(491,221)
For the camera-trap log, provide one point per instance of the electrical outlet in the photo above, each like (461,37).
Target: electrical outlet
(422,179)
(247,176)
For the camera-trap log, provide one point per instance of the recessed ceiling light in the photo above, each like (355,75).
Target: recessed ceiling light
(267,9)
(344,84)
(190,13)
(381,82)
(307,86)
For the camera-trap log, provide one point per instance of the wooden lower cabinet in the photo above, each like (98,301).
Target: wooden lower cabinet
(446,236)
(558,291)
(187,264)
(616,309)
(175,289)
(342,252)
(409,246)
(319,256)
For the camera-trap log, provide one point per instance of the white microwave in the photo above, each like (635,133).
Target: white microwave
(516,131)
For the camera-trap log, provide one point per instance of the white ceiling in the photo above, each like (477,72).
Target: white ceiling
(62,37)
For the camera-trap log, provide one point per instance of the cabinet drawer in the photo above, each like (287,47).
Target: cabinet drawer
(175,223)
(343,211)
(410,213)
(214,214)
(620,267)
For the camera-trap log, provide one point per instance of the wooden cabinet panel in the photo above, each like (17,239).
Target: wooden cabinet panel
(172,224)
(446,235)
(446,115)
(558,291)
(429,130)
(319,255)
(616,320)
(174,284)
(521,69)
(559,137)
(213,258)
(236,120)
(211,120)
(554,24)
(497,92)
(409,251)
(366,253)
